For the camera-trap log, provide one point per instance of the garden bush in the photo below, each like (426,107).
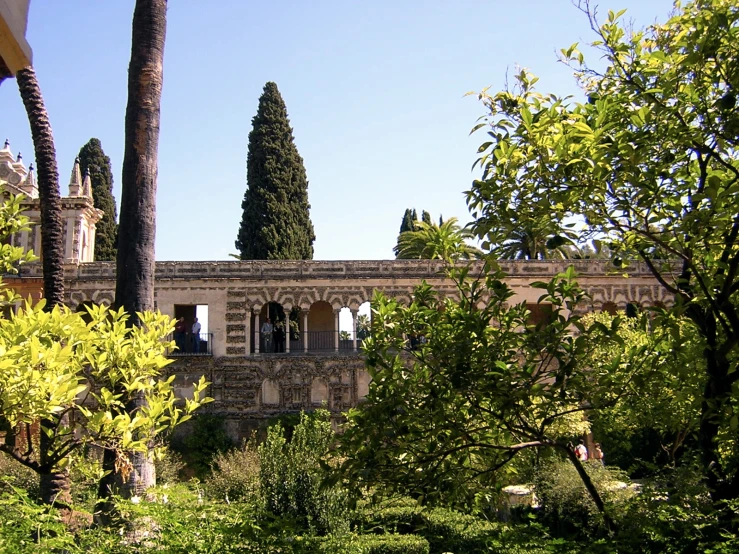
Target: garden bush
(168,466)
(26,527)
(292,475)
(206,439)
(451,531)
(394,515)
(566,507)
(19,475)
(373,544)
(234,474)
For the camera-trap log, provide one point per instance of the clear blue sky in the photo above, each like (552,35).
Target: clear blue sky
(374,91)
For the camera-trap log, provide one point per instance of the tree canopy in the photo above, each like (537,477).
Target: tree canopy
(93,159)
(430,241)
(648,164)
(276,221)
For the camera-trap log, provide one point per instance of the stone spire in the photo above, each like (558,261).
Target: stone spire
(87,184)
(18,166)
(6,155)
(29,185)
(75,181)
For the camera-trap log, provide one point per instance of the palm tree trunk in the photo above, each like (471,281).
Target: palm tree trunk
(55,487)
(52,243)
(135,261)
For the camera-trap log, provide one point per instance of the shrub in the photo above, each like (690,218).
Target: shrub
(234,474)
(168,466)
(674,513)
(19,475)
(451,531)
(373,544)
(396,515)
(565,503)
(291,475)
(26,527)
(206,439)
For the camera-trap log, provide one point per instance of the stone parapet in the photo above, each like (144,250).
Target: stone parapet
(350,269)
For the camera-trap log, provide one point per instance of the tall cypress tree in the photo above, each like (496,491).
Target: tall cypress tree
(276,221)
(93,158)
(408,224)
(408,221)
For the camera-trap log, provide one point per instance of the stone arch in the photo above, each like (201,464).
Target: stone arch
(321,327)
(276,341)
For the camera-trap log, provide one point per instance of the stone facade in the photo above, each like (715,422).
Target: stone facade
(250,386)
(79,214)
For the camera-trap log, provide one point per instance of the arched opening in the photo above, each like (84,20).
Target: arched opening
(321,327)
(272,328)
(346,329)
(364,322)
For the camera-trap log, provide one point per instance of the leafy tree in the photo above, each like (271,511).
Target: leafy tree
(445,418)
(135,259)
(276,222)
(649,164)
(54,364)
(430,241)
(668,407)
(93,159)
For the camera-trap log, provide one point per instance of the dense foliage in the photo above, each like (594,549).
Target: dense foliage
(93,159)
(649,165)
(276,222)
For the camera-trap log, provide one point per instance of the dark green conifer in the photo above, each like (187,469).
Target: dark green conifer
(410,219)
(93,158)
(276,221)
(426,217)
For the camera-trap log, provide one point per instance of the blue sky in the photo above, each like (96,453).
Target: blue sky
(374,91)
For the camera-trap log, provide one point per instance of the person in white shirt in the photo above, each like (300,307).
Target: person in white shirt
(196,336)
(267,330)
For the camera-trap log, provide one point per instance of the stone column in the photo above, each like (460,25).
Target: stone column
(247,328)
(354,330)
(336,330)
(287,332)
(256,333)
(305,331)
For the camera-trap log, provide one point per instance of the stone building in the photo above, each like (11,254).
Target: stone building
(316,364)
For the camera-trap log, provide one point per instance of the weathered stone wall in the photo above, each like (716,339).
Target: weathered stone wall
(248,391)
(250,388)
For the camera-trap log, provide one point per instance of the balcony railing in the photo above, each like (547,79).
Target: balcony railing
(317,342)
(187,345)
